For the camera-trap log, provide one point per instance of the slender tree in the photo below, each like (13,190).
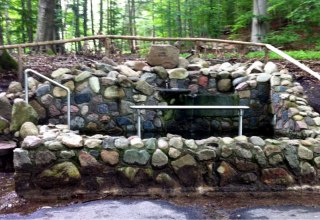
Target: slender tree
(45,24)
(259,24)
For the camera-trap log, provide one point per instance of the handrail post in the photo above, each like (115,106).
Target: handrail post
(26,85)
(240,121)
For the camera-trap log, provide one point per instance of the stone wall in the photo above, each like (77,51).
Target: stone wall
(61,163)
(101,96)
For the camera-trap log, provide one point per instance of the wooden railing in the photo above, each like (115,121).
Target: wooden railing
(107,40)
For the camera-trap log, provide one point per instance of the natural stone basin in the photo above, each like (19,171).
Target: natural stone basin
(174,90)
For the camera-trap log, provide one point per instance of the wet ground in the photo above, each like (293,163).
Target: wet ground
(223,205)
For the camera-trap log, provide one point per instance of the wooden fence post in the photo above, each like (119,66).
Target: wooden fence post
(20,64)
(266,55)
(107,43)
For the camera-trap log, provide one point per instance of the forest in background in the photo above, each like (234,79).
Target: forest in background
(291,24)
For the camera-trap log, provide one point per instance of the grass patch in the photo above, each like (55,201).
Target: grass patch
(299,55)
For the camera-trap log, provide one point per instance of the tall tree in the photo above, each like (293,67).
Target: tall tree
(259,23)
(85,17)
(45,24)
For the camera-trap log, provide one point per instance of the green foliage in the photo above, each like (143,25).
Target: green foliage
(282,37)
(299,55)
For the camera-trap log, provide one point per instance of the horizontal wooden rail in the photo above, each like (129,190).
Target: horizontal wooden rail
(108,37)
(102,37)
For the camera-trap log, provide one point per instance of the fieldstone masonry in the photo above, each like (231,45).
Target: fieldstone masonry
(54,161)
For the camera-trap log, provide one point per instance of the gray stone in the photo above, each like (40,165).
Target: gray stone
(165,180)
(191,144)
(136,65)
(224,85)
(114,92)
(256,67)
(144,87)
(54,145)
(258,141)
(243,153)
(183,63)
(135,156)
(67,154)
(21,159)
(17,119)
(263,77)
(94,84)
(28,128)
(270,68)
(44,157)
(260,156)
(290,154)
(109,143)
(175,142)
(275,159)
(59,92)
(121,143)
(178,73)
(31,142)
(307,169)
(136,142)
(127,71)
(77,123)
(148,77)
(160,71)
(305,153)
(72,140)
(6,107)
(59,72)
(272,149)
(4,124)
(14,87)
(92,143)
(82,76)
(206,154)
(317,162)
(239,80)
(174,153)
(166,56)
(150,144)
(159,159)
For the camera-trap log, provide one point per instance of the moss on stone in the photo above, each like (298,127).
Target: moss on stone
(7,62)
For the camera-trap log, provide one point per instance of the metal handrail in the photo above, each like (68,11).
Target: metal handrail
(26,85)
(193,107)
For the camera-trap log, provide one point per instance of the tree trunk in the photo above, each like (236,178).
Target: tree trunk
(179,20)
(76,5)
(85,17)
(8,27)
(45,24)
(259,24)
(29,21)
(92,25)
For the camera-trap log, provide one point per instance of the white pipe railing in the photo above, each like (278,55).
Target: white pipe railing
(26,89)
(292,60)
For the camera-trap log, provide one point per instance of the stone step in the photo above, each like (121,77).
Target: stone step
(6,147)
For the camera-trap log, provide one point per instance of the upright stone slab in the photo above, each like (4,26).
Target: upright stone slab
(166,56)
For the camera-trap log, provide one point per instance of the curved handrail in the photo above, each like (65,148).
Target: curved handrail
(26,85)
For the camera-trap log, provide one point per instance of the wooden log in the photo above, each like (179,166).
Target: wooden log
(101,37)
